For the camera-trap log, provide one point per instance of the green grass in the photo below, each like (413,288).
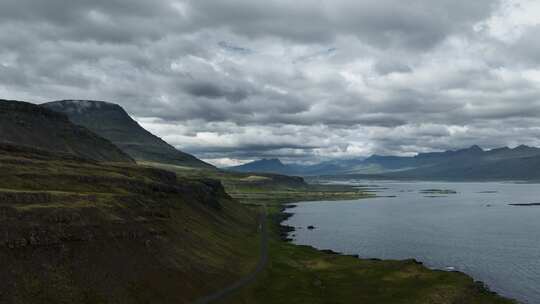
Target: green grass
(270,189)
(152,245)
(115,233)
(300,274)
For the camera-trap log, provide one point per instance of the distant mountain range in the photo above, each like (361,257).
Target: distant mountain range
(277,167)
(113,123)
(474,163)
(28,125)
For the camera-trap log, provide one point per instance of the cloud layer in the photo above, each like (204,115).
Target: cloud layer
(302,80)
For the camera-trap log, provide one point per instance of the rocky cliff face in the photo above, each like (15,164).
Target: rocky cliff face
(25,124)
(113,123)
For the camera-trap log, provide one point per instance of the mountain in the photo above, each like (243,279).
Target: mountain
(380,163)
(387,164)
(521,163)
(277,167)
(264,166)
(26,124)
(113,123)
(473,163)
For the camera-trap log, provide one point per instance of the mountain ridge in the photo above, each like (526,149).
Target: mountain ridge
(473,162)
(265,165)
(27,124)
(112,122)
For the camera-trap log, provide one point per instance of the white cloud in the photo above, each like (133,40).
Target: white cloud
(237,80)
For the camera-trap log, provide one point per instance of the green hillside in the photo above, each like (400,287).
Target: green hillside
(300,274)
(29,125)
(75,231)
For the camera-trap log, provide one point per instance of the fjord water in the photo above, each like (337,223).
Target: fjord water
(475,231)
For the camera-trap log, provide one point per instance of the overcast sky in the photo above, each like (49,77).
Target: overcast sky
(303,80)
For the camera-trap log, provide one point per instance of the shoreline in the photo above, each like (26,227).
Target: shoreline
(282,216)
(285,230)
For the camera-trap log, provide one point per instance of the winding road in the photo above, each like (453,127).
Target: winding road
(263,260)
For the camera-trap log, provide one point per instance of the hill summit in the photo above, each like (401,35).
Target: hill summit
(26,124)
(272,165)
(113,123)
(473,163)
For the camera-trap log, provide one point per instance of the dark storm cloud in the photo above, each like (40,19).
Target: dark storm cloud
(213,91)
(316,55)
(105,21)
(414,24)
(234,48)
(306,79)
(249,149)
(385,67)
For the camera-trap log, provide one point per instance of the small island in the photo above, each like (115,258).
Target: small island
(438,191)
(525,205)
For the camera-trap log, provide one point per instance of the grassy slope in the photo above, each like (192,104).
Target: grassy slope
(272,189)
(300,274)
(113,123)
(73,231)
(27,124)
(83,232)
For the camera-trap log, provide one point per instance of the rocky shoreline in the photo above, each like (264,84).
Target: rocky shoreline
(281,217)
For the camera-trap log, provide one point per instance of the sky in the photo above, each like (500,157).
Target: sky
(304,81)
